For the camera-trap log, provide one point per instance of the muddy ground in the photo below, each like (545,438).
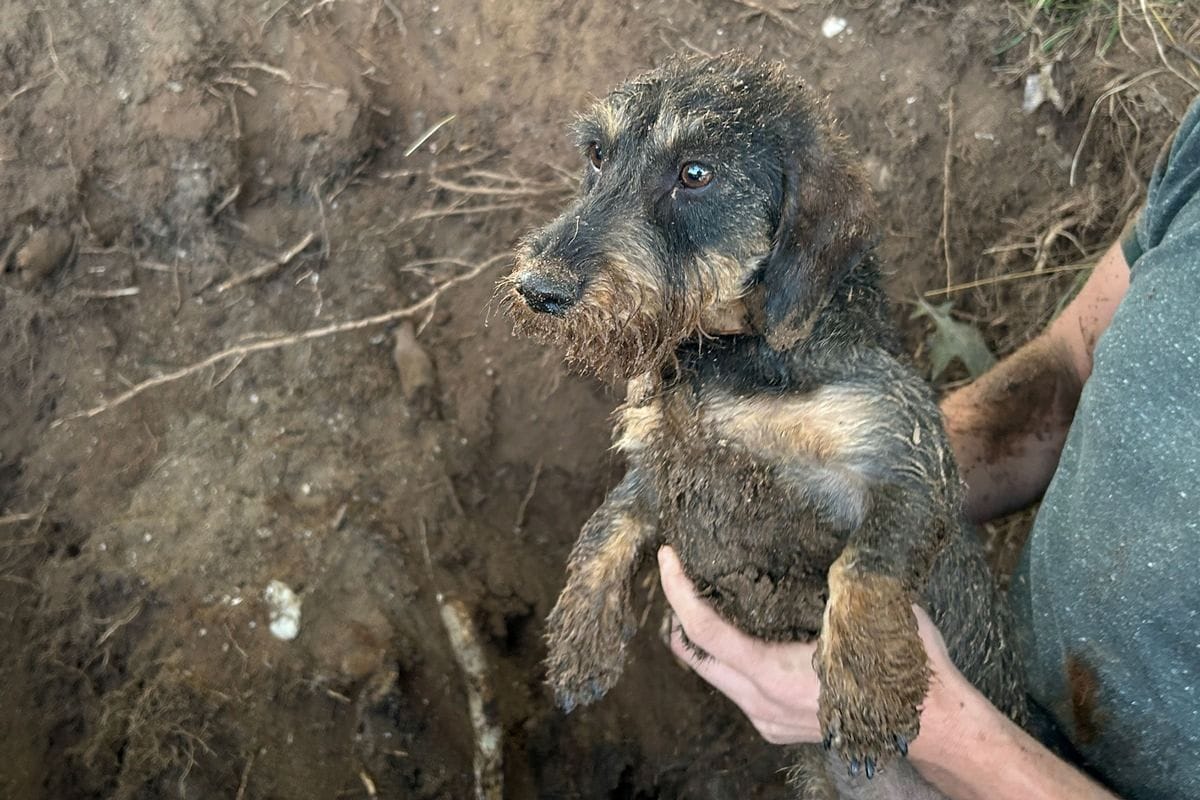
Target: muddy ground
(180,177)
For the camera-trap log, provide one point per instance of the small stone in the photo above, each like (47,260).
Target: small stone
(283,607)
(833,26)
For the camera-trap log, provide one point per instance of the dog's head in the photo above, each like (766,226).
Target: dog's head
(716,198)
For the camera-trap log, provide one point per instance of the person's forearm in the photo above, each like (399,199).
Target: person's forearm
(1007,429)
(970,751)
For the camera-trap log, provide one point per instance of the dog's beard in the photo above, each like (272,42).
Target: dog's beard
(618,329)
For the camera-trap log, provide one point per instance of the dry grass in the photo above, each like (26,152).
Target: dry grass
(1067,30)
(1128,76)
(148,728)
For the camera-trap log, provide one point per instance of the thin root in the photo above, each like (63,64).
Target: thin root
(276,342)
(489,735)
(519,522)
(1012,276)
(429,132)
(1096,107)
(262,271)
(947,160)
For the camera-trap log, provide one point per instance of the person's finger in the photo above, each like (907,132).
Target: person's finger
(703,625)
(930,635)
(776,733)
(731,683)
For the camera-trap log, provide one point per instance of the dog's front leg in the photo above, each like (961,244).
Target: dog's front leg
(872,665)
(592,621)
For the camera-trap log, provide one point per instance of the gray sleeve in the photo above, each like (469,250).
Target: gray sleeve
(1176,180)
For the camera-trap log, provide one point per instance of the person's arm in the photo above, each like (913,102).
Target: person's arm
(1007,429)
(966,747)
(970,751)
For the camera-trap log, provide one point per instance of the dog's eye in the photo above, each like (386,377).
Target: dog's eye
(695,175)
(595,155)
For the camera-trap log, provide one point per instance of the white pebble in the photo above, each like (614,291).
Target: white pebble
(284,610)
(832,26)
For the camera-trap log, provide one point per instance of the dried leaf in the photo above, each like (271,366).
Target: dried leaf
(952,339)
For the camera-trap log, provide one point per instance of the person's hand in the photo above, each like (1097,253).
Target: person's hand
(774,684)
(967,748)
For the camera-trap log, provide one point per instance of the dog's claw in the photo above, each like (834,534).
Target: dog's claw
(869,767)
(570,699)
(902,745)
(827,742)
(853,768)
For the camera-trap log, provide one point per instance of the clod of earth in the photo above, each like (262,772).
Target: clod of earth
(45,251)
(415,367)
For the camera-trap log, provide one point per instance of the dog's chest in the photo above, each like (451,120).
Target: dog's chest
(723,456)
(756,492)
(831,427)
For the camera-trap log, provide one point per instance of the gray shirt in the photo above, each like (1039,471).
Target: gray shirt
(1108,592)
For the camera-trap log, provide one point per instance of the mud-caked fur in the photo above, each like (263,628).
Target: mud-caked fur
(720,255)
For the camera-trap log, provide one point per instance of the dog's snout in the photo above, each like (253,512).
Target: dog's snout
(546,294)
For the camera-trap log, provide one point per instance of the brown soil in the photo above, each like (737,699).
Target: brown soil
(151,152)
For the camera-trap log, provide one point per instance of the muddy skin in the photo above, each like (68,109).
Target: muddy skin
(1035,400)
(795,462)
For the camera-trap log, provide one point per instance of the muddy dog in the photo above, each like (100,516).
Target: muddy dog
(720,256)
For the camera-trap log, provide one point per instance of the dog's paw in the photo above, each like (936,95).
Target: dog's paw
(586,636)
(874,674)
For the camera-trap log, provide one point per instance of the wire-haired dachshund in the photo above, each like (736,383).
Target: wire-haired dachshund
(720,256)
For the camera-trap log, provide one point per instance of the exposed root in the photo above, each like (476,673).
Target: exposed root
(54,53)
(108,294)
(1120,87)
(456,211)
(429,132)
(525,189)
(276,342)
(27,87)
(262,271)
(519,522)
(489,735)
(245,779)
(481,702)
(1147,12)
(395,12)
(947,194)
(368,783)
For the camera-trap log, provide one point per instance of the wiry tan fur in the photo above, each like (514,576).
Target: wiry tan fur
(831,424)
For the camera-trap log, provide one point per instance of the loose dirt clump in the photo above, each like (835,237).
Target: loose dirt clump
(258,242)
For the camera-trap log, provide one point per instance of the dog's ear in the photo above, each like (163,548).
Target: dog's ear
(826,225)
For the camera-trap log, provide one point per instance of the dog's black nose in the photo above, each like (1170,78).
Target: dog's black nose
(546,295)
